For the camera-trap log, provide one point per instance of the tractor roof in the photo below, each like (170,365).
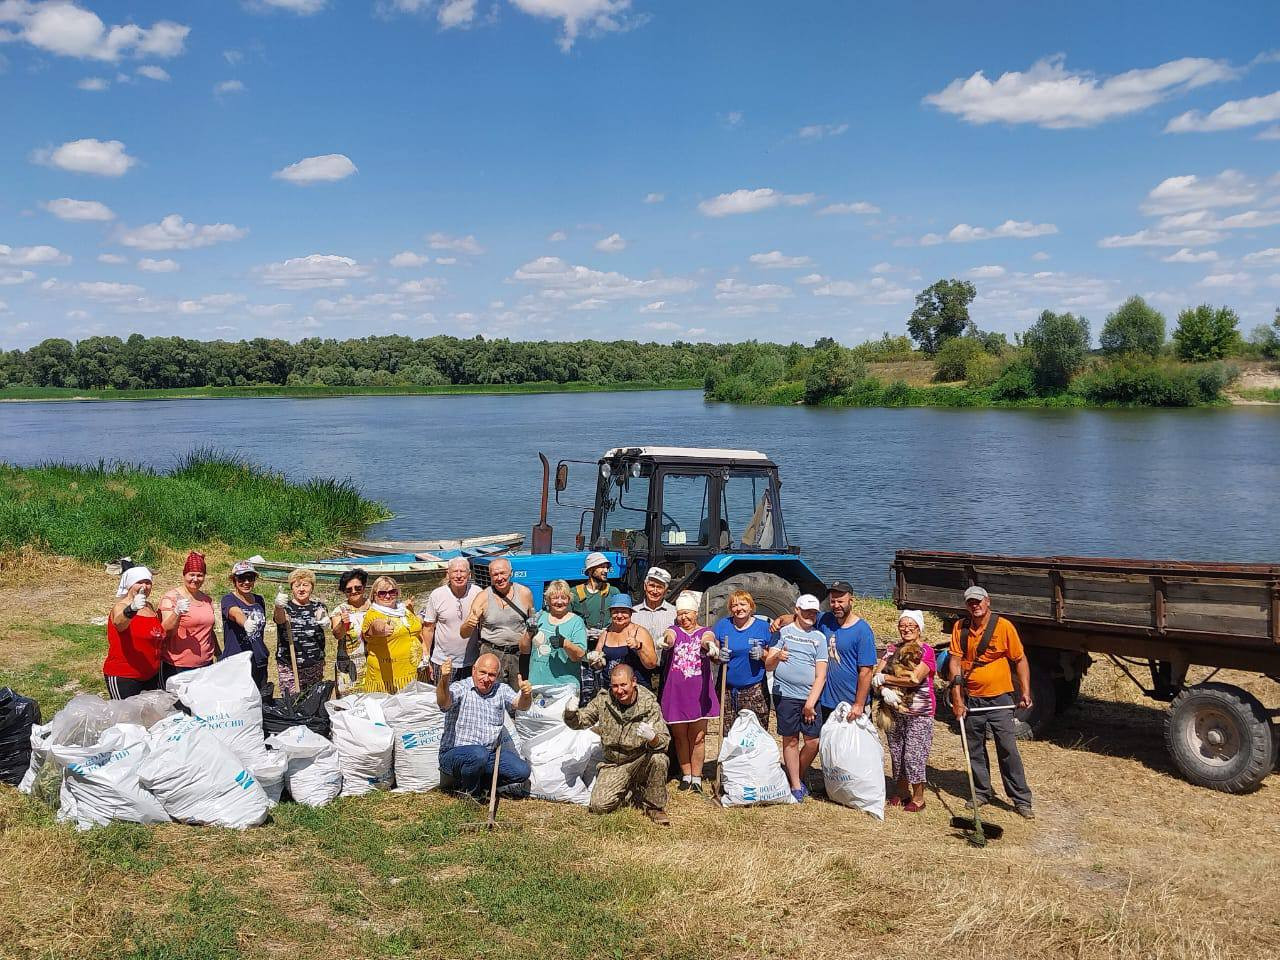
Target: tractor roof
(690,453)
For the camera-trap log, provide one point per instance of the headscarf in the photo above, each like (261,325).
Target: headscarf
(130,577)
(688,600)
(194,564)
(916,615)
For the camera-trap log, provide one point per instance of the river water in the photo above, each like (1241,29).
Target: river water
(857,484)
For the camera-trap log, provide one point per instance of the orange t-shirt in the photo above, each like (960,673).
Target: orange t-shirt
(989,677)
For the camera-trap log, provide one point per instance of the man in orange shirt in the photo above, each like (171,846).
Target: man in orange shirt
(987,679)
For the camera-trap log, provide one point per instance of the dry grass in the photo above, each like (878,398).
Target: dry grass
(1125,860)
(915,373)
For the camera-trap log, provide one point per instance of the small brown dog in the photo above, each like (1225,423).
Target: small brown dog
(901,667)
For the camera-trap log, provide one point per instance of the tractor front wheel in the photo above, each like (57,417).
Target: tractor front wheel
(773,596)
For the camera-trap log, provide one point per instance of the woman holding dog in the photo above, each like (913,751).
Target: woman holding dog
(905,675)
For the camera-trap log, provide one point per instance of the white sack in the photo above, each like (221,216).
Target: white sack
(750,771)
(270,774)
(313,774)
(225,697)
(366,744)
(100,782)
(418,725)
(41,740)
(563,761)
(198,778)
(853,762)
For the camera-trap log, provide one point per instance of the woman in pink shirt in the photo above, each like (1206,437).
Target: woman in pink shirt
(187,616)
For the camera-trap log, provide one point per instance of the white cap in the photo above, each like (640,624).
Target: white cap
(975,593)
(658,574)
(807,601)
(595,560)
(688,600)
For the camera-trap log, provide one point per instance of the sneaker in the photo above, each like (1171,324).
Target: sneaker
(685,785)
(982,802)
(913,806)
(696,787)
(1024,811)
(658,816)
(800,793)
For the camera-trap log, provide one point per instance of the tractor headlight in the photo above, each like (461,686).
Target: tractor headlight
(606,470)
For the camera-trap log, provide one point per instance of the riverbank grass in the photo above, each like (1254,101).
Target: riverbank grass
(102,512)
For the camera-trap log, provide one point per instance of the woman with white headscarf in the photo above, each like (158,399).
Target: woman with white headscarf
(688,697)
(135,637)
(908,689)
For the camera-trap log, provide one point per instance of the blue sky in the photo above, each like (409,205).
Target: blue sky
(627,168)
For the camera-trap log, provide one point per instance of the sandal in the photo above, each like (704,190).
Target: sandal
(914,806)
(895,801)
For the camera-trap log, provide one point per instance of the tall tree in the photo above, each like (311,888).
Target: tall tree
(1133,328)
(1056,345)
(941,313)
(1206,333)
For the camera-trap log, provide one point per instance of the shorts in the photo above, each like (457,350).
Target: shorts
(789,712)
(121,688)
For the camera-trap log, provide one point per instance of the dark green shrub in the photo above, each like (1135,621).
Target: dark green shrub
(1016,383)
(953,357)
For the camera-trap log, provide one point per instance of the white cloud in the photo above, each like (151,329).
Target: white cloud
(878,290)
(884,267)
(212,303)
(581,17)
(267,310)
(1040,256)
(31,256)
(105,158)
(426,288)
(158,266)
(456,13)
(1230,188)
(1271,133)
(776,259)
(228,86)
(561,280)
(654,197)
(812,279)
(737,291)
(112,258)
(987,272)
(838,209)
(820,131)
(1187,255)
(407,258)
(661,325)
(104,290)
(611,244)
(174,233)
(152,72)
(93,84)
(1232,115)
(733,118)
(301,7)
(62,28)
(11,278)
(323,169)
(444,241)
(594,303)
(1226,280)
(446,261)
(316,271)
(1162,238)
(1270,255)
(64,208)
(559,236)
(1049,96)
(657,306)
(752,201)
(1013,229)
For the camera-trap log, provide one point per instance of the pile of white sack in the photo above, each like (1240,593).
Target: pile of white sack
(563,761)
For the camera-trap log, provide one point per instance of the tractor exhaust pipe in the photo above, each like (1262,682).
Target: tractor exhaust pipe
(541,540)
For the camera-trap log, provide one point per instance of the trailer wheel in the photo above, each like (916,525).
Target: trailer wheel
(773,595)
(1220,737)
(1068,692)
(1029,724)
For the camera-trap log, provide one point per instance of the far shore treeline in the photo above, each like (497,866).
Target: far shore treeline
(945,361)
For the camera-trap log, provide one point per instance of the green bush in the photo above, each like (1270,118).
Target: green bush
(953,357)
(1016,383)
(1056,346)
(982,370)
(834,369)
(1133,328)
(1206,333)
(885,350)
(897,394)
(1132,383)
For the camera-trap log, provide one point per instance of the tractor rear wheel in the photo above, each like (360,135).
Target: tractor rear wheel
(773,595)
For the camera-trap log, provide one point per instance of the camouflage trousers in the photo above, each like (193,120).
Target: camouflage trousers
(645,778)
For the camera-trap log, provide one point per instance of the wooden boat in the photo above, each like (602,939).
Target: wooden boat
(498,543)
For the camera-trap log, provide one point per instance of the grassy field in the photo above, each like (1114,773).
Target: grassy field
(218,393)
(1263,394)
(114,510)
(1125,860)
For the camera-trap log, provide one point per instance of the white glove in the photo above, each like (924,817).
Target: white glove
(878,681)
(660,642)
(891,697)
(138,602)
(321,614)
(540,641)
(182,606)
(571,705)
(595,659)
(645,731)
(281,598)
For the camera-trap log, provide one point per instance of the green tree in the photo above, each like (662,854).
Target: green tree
(941,313)
(1206,333)
(831,373)
(1056,346)
(954,356)
(1134,328)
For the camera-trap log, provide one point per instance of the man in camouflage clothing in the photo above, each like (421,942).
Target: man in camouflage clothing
(635,738)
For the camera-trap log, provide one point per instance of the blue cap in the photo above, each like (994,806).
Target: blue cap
(620,601)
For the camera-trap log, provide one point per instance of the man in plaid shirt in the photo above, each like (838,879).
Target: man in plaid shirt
(475,709)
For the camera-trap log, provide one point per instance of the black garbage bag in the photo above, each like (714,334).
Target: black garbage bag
(17,714)
(291,710)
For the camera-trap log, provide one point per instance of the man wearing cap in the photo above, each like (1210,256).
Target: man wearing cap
(590,601)
(851,647)
(982,651)
(655,613)
(799,665)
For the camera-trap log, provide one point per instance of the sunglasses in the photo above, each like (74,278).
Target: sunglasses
(386,593)
(353,589)
(246,577)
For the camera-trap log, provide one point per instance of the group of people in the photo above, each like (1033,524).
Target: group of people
(646,673)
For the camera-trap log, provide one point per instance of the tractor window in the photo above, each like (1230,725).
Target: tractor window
(685,509)
(748,511)
(623,511)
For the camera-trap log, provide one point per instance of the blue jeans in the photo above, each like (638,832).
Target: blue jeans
(472,768)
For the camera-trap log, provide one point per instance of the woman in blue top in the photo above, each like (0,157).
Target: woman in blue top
(747,637)
(561,640)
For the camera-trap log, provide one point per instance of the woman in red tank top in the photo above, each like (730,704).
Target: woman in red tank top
(135,637)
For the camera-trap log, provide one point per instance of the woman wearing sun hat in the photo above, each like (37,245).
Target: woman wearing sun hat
(623,642)
(244,620)
(135,636)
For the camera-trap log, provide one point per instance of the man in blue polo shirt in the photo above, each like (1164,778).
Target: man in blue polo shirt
(851,654)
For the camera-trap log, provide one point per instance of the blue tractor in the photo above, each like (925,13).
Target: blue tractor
(711,518)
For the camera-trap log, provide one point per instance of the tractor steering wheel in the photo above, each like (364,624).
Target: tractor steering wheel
(673,525)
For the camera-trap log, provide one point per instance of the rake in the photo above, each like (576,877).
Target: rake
(491,824)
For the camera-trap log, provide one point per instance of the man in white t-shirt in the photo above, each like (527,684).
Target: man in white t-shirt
(446,608)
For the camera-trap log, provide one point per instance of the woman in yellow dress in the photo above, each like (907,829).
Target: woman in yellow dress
(392,635)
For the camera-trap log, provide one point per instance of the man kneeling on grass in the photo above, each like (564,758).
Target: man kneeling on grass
(629,723)
(475,709)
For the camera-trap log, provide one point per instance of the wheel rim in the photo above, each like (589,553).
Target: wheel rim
(1215,736)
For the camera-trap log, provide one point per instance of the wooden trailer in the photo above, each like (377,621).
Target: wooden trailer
(1158,617)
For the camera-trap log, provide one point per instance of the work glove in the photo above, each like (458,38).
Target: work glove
(662,642)
(321,614)
(182,606)
(571,705)
(645,731)
(281,598)
(138,602)
(531,624)
(595,660)
(756,650)
(891,697)
(540,641)
(878,681)
(556,641)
